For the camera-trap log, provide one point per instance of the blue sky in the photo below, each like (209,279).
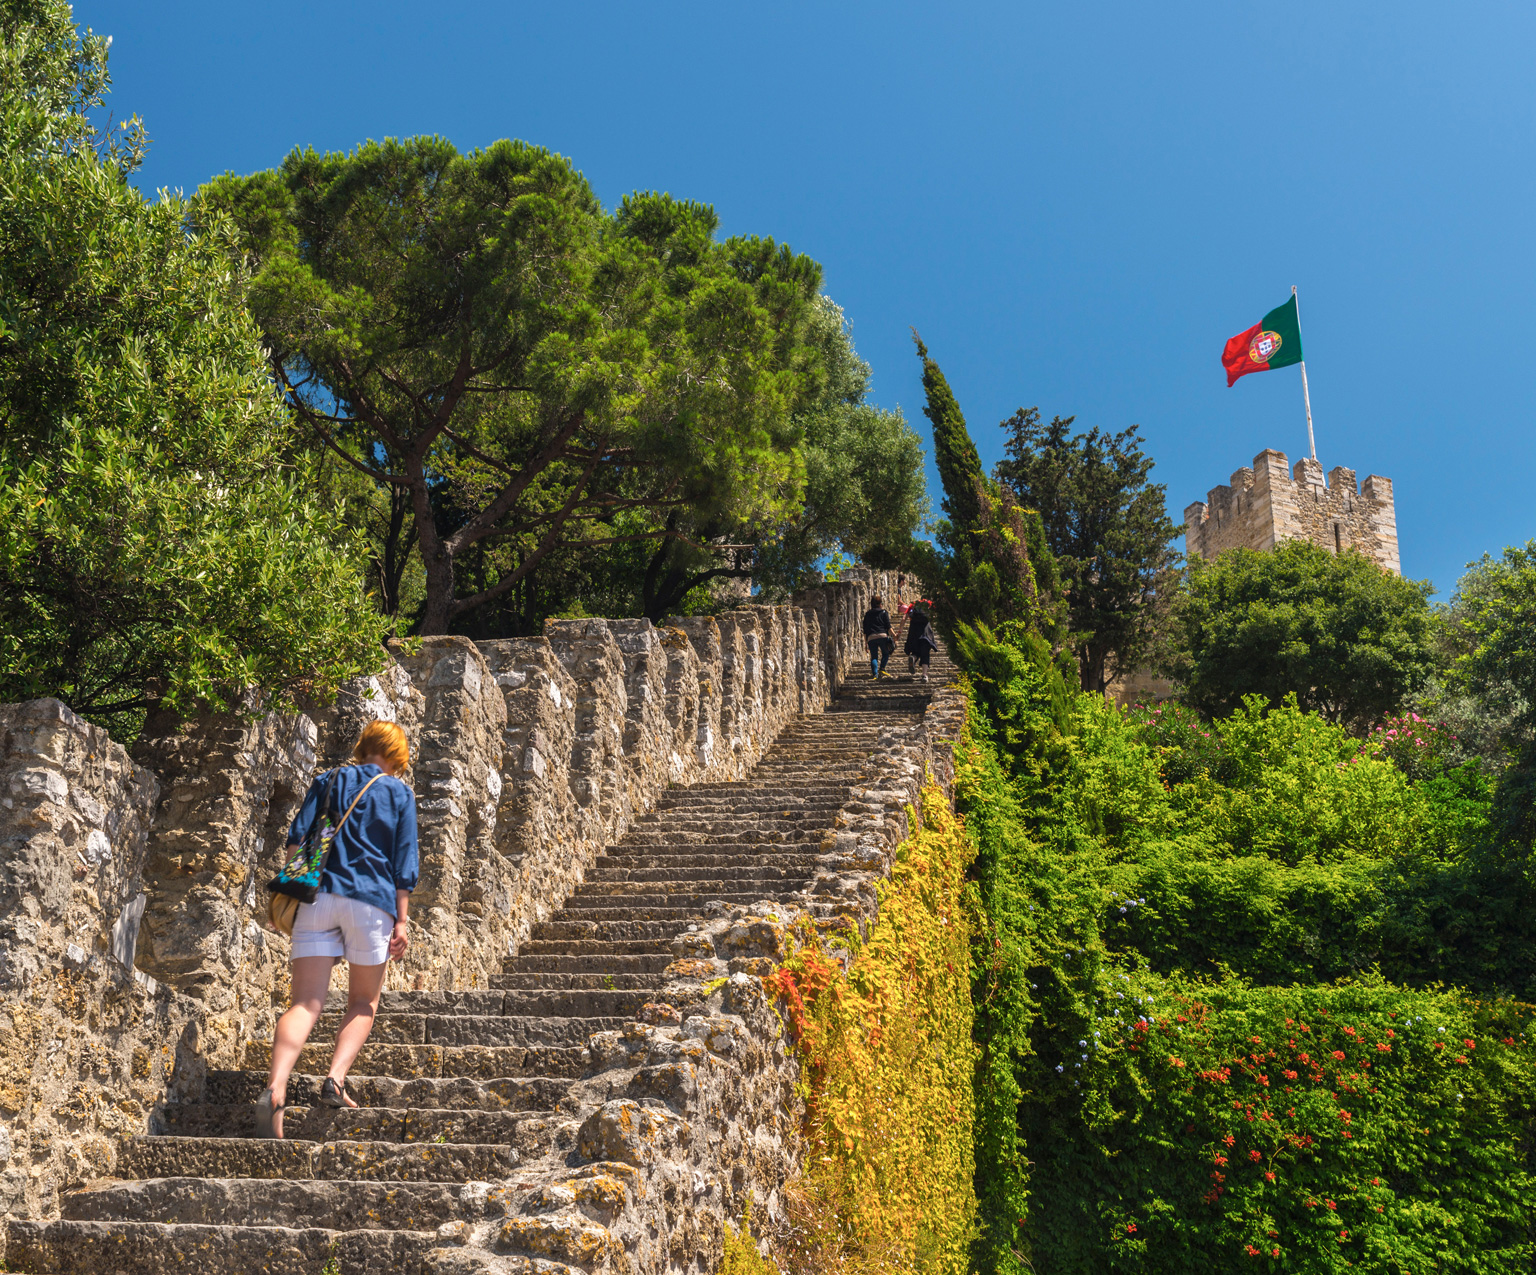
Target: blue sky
(1074,204)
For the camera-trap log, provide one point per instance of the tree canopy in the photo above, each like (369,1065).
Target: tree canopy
(159,540)
(474,334)
(1108,530)
(1350,640)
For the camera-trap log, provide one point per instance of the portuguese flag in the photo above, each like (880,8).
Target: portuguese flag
(1274,341)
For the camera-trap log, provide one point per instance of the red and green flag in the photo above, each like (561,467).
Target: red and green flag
(1274,341)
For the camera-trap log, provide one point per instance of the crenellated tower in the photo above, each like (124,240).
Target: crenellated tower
(1273,502)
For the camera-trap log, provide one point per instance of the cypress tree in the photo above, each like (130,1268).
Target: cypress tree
(965,482)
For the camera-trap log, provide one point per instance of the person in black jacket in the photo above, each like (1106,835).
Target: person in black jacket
(878,637)
(921,641)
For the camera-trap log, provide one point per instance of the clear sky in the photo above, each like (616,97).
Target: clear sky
(1074,204)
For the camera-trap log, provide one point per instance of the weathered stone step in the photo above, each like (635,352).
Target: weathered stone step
(594,944)
(545,980)
(596,961)
(298,1202)
(528,1131)
(577,1003)
(171,1157)
(144,1248)
(486,1062)
(683,893)
(560,928)
(467,1002)
(467,1093)
(680,912)
(732,852)
(761,868)
(467,1029)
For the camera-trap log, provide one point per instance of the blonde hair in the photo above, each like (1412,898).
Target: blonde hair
(383,739)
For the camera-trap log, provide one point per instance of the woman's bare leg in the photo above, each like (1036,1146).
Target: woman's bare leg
(311,980)
(365,984)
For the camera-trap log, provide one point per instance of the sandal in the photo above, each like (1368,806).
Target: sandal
(332,1094)
(265,1110)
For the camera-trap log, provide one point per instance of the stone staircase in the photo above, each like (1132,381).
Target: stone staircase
(466,1094)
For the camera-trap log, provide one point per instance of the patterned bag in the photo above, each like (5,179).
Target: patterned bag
(299,880)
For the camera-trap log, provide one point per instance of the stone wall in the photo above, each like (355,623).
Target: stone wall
(1269,503)
(133,950)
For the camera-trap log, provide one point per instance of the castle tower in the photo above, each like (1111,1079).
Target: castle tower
(1272,502)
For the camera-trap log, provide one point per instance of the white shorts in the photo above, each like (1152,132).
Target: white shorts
(334,925)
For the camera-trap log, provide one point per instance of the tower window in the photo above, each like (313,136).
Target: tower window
(1338,540)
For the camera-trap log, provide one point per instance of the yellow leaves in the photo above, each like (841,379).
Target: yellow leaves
(889,1048)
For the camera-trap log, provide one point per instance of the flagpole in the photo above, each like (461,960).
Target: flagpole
(1306,394)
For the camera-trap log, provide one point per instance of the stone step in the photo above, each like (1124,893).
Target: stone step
(680,912)
(688,857)
(297,1202)
(596,961)
(392,1161)
(577,1003)
(761,868)
(684,893)
(145,1248)
(490,1029)
(409,1062)
(466,1093)
(528,1131)
(560,928)
(545,980)
(596,944)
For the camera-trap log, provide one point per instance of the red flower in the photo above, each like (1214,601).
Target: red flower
(1290,1075)
(1130,1228)
(1383,1048)
(1255,1156)
(1339,1054)
(1269,1177)
(1229,1139)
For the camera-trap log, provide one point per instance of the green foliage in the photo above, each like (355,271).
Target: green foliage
(887,1054)
(991,565)
(475,331)
(1494,613)
(159,542)
(1180,1127)
(1349,640)
(1215,880)
(864,486)
(1108,533)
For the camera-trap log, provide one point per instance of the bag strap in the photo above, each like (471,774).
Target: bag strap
(325,857)
(313,834)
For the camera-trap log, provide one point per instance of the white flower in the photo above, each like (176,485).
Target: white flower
(1060,1067)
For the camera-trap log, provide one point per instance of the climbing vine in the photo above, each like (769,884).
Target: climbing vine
(888,1059)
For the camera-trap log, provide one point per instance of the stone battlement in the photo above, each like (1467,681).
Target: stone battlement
(1272,502)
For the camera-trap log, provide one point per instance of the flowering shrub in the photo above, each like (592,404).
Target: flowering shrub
(1417,747)
(1316,1129)
(1186,745)
(887,1062)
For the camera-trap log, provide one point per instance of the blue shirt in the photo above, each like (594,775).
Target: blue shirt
(375,852)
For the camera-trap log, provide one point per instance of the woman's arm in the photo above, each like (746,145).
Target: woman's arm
(399,939)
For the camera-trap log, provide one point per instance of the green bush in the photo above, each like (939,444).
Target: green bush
(1238,874)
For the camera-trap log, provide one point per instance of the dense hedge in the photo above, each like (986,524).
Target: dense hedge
(888,1058)
(1188,935)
